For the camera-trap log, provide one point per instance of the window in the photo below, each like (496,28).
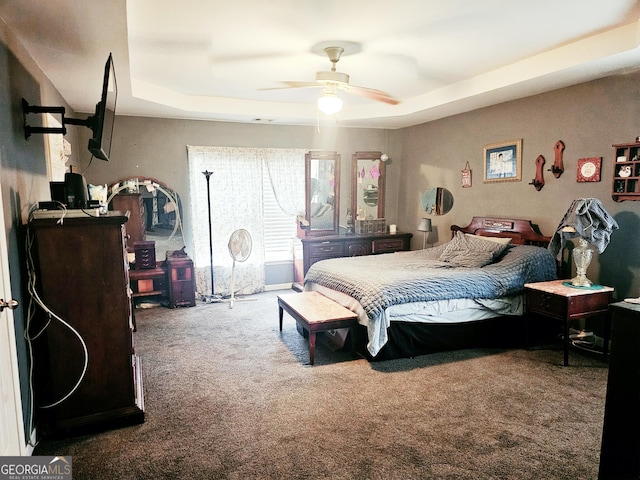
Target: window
(241,196)
(279,228)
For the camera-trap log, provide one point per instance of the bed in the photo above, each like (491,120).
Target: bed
(467,292)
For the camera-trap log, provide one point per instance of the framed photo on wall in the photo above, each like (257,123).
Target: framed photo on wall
(589,169)
(503,162)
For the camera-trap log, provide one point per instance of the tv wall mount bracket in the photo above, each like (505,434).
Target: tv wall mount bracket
(29,130)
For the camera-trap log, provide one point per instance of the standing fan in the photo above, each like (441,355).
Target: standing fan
(239,249)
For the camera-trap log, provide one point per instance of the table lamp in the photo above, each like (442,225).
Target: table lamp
(587,220)
(582,255)
(424,226)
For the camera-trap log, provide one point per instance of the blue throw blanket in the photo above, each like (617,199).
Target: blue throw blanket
(380,281)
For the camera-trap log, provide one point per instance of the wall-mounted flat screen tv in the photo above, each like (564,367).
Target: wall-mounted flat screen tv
(101,123)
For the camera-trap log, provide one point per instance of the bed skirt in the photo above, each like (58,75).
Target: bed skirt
(410,339)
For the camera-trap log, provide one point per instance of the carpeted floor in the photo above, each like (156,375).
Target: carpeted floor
(229,397)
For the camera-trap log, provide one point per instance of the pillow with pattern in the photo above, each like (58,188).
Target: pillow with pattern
(471,251)
(502,240)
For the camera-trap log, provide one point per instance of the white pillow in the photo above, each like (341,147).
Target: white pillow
(500,240)
(471,251)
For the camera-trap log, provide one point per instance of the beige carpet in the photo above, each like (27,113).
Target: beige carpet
(229,397)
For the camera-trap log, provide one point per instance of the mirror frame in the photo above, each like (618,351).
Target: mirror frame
(372,156)
(308,158)
(170,193)
(441,204)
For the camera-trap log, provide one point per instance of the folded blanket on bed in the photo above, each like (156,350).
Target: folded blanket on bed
(380,281)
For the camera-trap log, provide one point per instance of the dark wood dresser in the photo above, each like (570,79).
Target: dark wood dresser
(620,449)
(315,249)
(82,278)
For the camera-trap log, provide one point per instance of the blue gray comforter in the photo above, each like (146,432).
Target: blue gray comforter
(380,281)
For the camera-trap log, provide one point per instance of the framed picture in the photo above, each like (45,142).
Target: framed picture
(589,169)
(503,162)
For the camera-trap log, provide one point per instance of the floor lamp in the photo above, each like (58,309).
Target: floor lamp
(424,226)
(207,175)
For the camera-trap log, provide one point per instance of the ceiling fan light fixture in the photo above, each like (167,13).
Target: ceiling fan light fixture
(329,103)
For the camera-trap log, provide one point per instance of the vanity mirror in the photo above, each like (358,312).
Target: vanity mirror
(155,212)
(322,193)
(367,191)
(437,201)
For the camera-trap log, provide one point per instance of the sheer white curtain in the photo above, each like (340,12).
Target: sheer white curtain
(286,173)
(236,202)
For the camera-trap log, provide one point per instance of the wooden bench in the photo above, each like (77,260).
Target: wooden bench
(316,313)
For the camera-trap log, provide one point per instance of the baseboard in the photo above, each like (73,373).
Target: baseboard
(278,286)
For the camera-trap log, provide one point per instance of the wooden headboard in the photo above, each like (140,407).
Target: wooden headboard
(521,232)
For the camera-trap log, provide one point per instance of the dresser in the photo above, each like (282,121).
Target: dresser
(315,249)
(620,449)
(86,372)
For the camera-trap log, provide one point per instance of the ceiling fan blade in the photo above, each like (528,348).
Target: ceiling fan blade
(290,84)
(371,93)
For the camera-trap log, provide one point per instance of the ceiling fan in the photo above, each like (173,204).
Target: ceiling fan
(333,81)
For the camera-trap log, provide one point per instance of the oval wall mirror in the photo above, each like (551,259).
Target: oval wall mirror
(155,212)
(437,201)
(367,190)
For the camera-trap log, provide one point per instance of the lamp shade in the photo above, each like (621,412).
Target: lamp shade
(329,103)
(424,225)
(585,218)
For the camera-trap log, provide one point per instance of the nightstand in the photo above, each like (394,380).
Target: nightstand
(181,278)
(565,303)
(148,282)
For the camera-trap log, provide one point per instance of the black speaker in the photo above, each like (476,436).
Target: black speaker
(76,191)
(57,192)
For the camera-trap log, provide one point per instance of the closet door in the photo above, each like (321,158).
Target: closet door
(12,439)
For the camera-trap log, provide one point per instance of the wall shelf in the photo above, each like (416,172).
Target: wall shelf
(626,172)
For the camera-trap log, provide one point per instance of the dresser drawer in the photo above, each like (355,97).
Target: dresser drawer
(559,306)
(546,303)
(388,245)
(326,250)
(357,249)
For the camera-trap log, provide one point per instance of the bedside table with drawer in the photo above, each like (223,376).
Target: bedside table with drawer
(556,300)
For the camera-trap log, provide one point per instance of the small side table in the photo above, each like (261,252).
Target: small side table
(565,303)
(182,279)
(148,282)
